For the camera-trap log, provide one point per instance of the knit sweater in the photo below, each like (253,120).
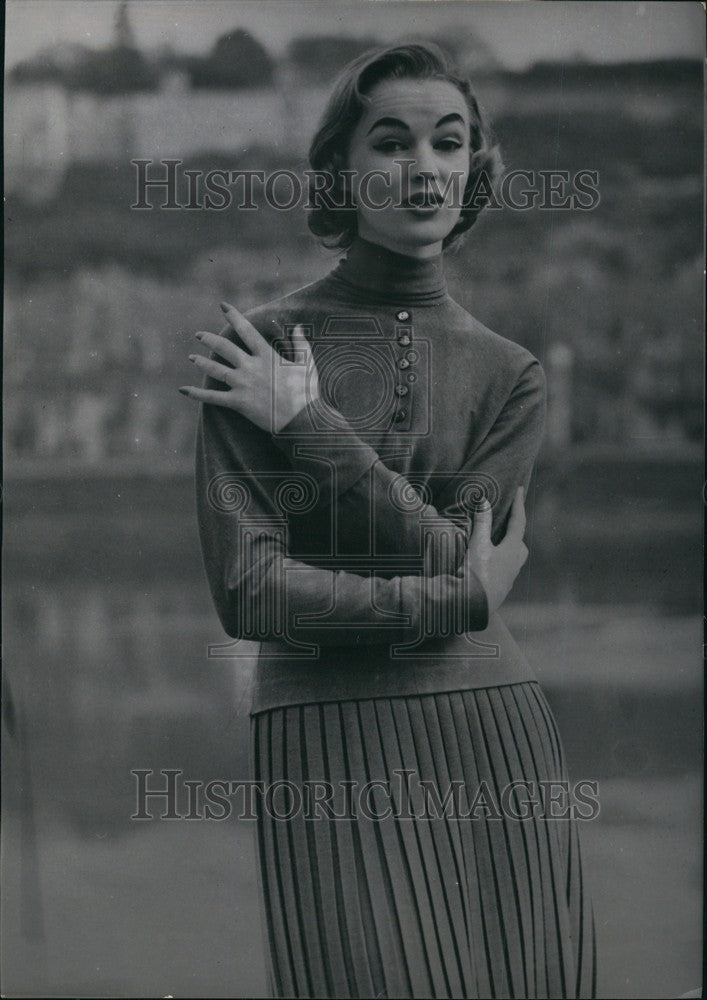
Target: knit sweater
(337,543)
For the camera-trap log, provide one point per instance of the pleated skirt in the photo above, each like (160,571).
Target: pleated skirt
(392,888)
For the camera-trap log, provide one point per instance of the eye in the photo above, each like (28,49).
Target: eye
(390,146)
(448,145)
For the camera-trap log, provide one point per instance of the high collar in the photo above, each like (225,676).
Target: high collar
(373,272)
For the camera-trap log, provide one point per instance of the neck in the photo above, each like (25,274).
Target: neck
(374,272)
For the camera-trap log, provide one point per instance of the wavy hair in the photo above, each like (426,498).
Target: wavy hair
(336,227)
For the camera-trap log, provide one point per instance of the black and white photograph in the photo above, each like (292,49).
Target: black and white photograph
(354,493)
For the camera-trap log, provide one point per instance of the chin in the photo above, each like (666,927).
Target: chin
(415,233)
(422,233)
(439,225)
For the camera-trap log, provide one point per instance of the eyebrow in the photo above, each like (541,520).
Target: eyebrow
(397,123)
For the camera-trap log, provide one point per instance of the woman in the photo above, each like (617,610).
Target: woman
(361,460)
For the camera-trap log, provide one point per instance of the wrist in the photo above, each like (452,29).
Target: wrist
(475,602)
(285,415)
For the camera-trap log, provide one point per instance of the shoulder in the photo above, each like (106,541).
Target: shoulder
(498,356)
(270,317)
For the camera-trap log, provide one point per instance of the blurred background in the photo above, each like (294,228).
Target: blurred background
(107,616)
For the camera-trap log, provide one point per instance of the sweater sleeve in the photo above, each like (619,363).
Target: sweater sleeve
(503,459)
(243,492)
(355,478)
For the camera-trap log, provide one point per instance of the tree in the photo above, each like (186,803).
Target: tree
(236,60)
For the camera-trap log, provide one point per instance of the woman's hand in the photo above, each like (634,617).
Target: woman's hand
(262,385)
(497,566)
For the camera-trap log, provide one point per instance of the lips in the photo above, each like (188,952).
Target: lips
(423,200)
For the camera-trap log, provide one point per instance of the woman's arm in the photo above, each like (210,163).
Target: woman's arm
(260,593)
(359,483)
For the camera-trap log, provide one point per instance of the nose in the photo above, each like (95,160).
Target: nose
(425,168)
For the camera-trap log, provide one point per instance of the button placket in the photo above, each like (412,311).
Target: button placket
(404,339)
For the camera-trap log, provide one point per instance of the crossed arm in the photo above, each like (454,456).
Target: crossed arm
(262,593)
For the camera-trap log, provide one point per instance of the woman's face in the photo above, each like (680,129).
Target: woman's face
(415,135)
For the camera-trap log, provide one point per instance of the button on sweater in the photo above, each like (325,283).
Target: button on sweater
(337,544)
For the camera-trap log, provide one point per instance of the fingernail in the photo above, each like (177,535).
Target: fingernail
(198,335)
(224,306)
(192,357)
(184,391)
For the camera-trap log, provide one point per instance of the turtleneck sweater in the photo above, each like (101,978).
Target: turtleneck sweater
(338,542)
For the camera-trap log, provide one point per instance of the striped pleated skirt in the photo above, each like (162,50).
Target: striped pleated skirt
(397,860)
